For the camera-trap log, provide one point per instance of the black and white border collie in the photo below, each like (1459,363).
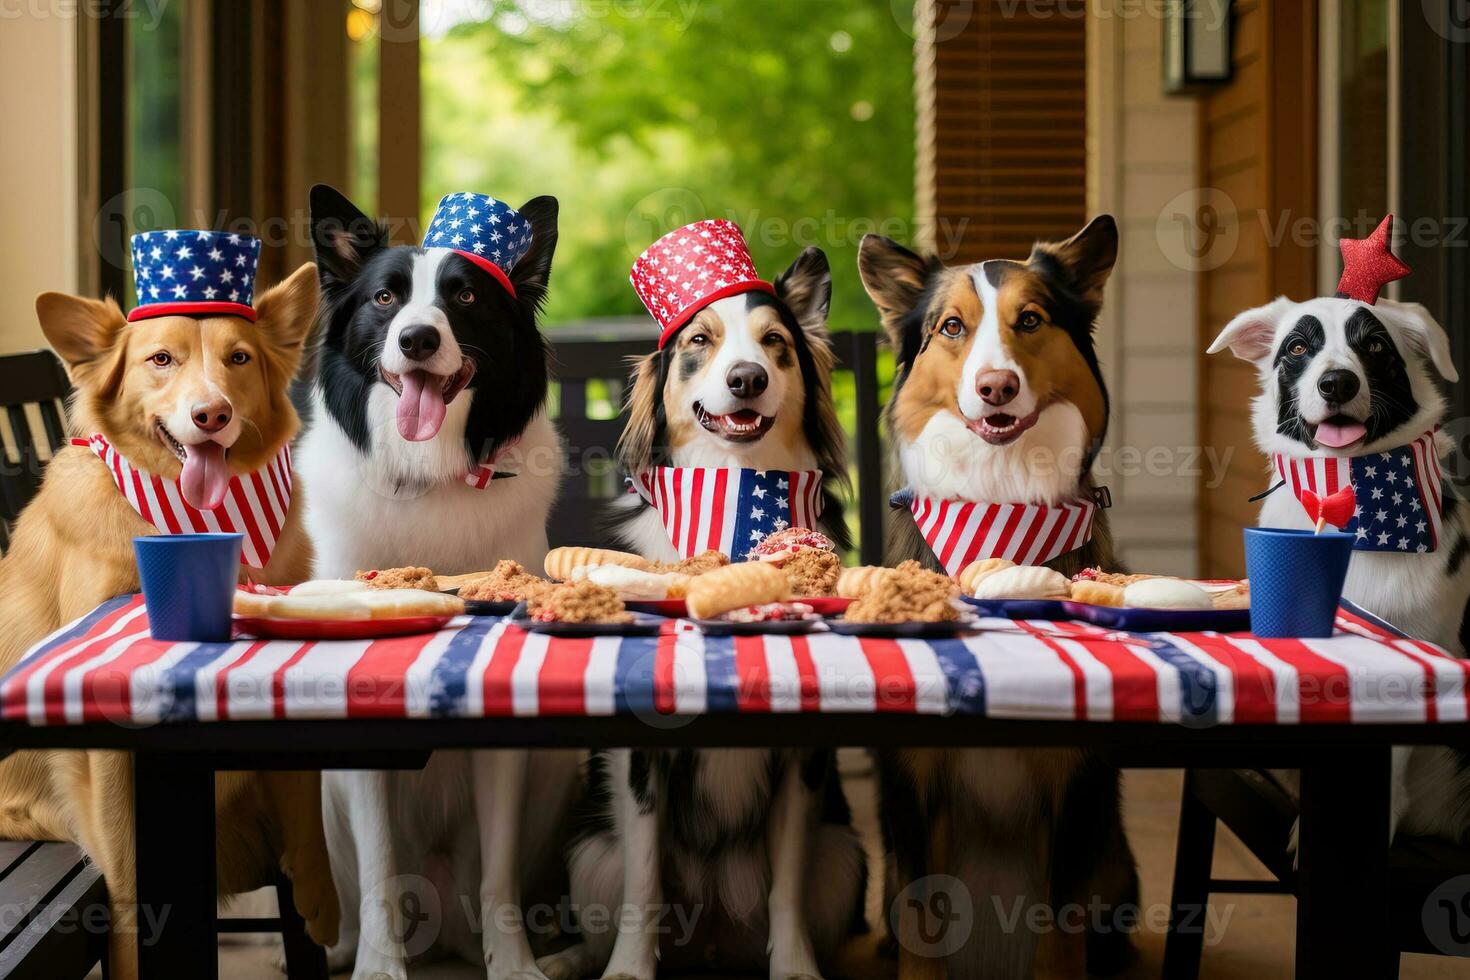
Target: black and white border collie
(427,366)
(747,383)
(759,841)
(998,398)
(1340,377)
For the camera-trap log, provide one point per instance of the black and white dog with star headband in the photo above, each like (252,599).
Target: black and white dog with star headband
(1349,394)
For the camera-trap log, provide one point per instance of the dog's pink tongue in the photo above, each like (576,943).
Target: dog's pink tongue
(1336,436)
(421,406)
(206,479)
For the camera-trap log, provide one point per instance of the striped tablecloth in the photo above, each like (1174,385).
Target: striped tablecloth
(106,668)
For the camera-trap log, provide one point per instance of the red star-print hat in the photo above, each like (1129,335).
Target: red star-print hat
(688,269)
(1368,264)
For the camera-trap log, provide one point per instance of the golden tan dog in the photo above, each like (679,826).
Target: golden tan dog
(139,384)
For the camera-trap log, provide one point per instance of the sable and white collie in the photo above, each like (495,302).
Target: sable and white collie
(1341,378)
(998,398)
(196,400)
(427,367)
(757,842)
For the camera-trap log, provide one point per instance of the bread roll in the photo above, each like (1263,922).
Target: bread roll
(972,573)
(561,562)
(854,582)
(1097,593)
(736,586)
(1024,582)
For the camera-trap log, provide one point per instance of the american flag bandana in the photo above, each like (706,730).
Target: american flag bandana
(254,506)
(960,531)
(729,510)
(1399,493)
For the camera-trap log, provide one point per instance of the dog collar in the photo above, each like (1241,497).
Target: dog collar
(255,504)
(960,532)
(480,476)
(1400,493)
(729,510)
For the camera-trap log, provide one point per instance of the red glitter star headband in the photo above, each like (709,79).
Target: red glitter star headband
(1368,264)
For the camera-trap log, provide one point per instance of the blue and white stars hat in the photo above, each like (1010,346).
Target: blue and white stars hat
(490,233)
(193,272)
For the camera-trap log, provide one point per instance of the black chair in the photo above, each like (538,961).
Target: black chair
(592,365)
(57,904)
(1260,813)
(35,379)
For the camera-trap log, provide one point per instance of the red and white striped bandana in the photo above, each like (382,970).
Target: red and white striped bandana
(255,505)
(1400,492)
(960,531)
(729,510)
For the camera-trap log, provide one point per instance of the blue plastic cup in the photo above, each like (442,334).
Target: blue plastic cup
(1296,580)
(189,584)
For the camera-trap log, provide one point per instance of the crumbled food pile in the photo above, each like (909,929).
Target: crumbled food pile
(771,612)
(907,594)
(507,582)
(1120,579)
(577,602)
(706,561)
(812,573)
(791,540)
(410,577)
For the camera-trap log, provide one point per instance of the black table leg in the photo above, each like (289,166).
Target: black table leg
(1194,859)
(173,800)
(1342,884)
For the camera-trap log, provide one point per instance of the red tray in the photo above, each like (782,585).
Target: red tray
(337,629)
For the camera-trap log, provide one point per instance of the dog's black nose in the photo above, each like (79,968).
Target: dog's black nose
(418,342)
(747,380)
(1338,386)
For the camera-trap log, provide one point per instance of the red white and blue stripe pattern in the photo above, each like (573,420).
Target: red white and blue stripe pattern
(730,510)
(490,233)
(1400,493)
(188,273)
(960,532)
(106,668)
(255,505)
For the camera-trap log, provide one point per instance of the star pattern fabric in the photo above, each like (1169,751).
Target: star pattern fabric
(729,510)
(488,232)
(1399,493)
(1368,264)
(688,269)
(194,272)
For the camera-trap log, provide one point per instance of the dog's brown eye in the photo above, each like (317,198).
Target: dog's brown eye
(1297,349)
(466,296)
(1375,347)
(239,357)
(698,340)
(383,298)
(773,338)
(162,359)
(1030,320)
(953,327)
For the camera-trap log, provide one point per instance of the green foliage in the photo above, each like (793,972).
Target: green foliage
(794,118)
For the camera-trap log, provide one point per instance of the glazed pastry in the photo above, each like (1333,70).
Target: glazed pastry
(1097,593)
(1024,582)
(634,584)
(1238,597)
(854,582)
(330,586)
(562,562)
(972,573)
(783,545)
(1166,593)
(368,604)
(747,584)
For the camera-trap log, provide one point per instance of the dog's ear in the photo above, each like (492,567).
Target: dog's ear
(895,279)
(1422,332)
(285,316)
(806,289)
(1251,336)
(84,332)
(636,446)
(532,274)
(342,236)
(1088,257)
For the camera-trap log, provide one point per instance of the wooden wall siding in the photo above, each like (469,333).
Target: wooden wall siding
(1143,156)
(1002,149)
(1257,144)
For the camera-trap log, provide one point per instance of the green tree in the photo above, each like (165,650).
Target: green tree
(794,118)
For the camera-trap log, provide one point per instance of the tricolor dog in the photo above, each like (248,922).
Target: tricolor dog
(758,842)
(183,421)
(999,403)
(1349,396)
(428,444)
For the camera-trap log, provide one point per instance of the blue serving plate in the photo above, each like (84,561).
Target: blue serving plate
(1021,608)
(904,631)
(1161,620)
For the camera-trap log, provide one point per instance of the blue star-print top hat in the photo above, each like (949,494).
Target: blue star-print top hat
(194,272)
(490,233)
